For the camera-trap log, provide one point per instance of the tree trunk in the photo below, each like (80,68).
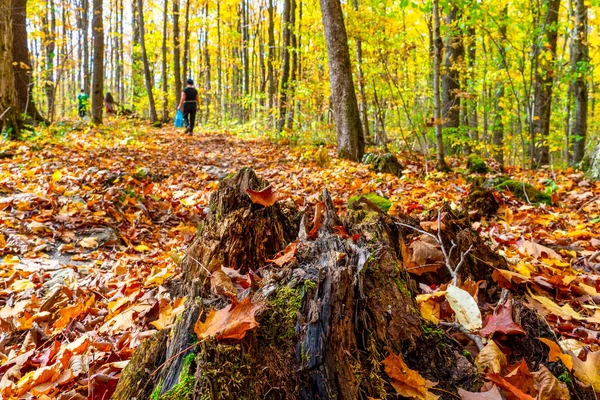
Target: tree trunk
(186,44)
(10,116)
(453,61)
(272,88)
(147,75)
(85,22)
(579,72)
(49,27)
(285,62)
(471,115)
(293,67)
(22,62)
(176,52)
(351,142)
(545,53)
(498,125)
(361,83)
(165,86)
(98,79)
(437,106)
(207,65)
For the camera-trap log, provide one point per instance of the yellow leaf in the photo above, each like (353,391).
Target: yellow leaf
(56,176)
(491,359)
(21,284)
(587,371)
(89,242)
(565,312)
(141,248)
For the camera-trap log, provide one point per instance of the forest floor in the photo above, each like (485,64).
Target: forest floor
(93,224)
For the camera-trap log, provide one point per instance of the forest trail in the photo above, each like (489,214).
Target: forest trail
(95,222)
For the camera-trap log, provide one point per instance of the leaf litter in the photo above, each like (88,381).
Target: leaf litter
(94,225)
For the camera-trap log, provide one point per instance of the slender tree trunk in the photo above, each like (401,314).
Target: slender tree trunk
(545,53)
(176,52)
(361,83)
(245,58)
(22,62)
(49,28)
(351,142)
(579,72)
(10,117)
(437,106)
(270,69)
(98,78)
(165,87)
(147,75)
(453,60)
(186,44)
(85,23)
(293,67)
(472,118)
(285,63)
(219,64)
(207,75)
(498,124)
(137,68)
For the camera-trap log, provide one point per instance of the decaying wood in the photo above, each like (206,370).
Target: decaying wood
(333,313)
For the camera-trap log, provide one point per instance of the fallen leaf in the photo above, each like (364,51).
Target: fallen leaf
(285,256)
(548,387)
(266,197)
(89,242)
(501,321)
(491,359)
(407,382)
(319,211)
(556,353)
(221,284)
(230,322)
(425,248)
(537,250)
(464,306)
(587,371)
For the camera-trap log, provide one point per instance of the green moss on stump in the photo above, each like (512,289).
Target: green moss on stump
(524,192)
(476,165)
(386,163)
(379,201)
(184,389)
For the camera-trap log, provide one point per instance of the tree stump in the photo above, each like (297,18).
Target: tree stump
(332,312)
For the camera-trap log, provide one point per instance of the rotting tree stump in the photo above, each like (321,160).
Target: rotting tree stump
(332,314)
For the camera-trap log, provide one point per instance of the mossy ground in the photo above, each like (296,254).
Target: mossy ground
(380,201)
(525,192)
(476,165)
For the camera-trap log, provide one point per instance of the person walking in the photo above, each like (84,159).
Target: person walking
(189,105)
(82,100)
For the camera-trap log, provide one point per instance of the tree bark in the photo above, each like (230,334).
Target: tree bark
(545,53)
(498,125)
(579,72)
(272,88)
(22,62)
(186,45)
(351,142)
(437,106)
(10,116)
(364,106)
(147,75)
(98,78)
(285,62)
(453,60)
(165,87)
(49,28)
(176,52)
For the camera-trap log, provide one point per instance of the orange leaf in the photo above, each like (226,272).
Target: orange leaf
(407,382)
(319,210)
(557,354)
(514,391)
(266,197)
(231,322)
(286,255)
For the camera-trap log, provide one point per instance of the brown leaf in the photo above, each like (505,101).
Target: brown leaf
(407,382)
(537,250)
(285,256)
(425,248)
(266,197)
(491,359)
(548,387)
(492,394)
(231,322)
(501,321)
(221,284)
(319,210)
(516,393)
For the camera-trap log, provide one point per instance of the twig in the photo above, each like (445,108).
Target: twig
(455,325)
(443,390)
(175,356)
(200,264)
(5,111)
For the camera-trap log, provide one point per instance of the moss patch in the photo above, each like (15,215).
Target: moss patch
(379,201)
(386,163)
(525,192)
(184,389)
(476,165)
